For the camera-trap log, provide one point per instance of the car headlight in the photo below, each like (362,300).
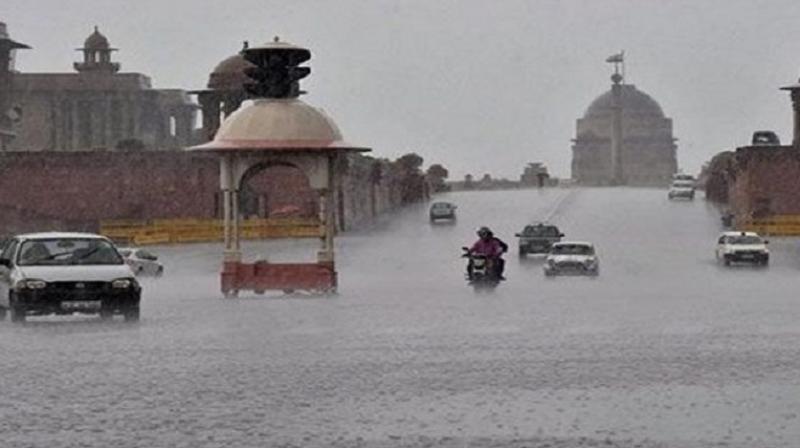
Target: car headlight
(122,283)
(33,284)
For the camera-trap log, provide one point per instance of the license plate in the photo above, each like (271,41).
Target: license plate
(747,256)
(81,305)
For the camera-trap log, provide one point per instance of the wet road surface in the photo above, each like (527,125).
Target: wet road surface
(665,349)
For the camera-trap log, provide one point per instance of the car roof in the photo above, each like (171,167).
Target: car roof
(442,203)
(573,243)
(740,234)
(54,235)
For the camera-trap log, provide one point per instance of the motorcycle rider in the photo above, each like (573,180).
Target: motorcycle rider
(490,247)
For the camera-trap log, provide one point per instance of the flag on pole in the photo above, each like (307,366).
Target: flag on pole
(616,58)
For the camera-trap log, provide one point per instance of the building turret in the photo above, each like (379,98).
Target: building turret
(97,55)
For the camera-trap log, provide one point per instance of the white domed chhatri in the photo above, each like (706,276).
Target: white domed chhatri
(276,128)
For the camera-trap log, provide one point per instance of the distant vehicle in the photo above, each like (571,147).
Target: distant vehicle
(443,211)
(682,188)
(766,138)
(65,273)
(572,258)
(141,261)
(747,247)
(538,238)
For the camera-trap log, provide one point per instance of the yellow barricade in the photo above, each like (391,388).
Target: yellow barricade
(778,225)
(194,230)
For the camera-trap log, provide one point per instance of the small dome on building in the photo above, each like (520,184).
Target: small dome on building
(229,74)
(96,41)
(634,102)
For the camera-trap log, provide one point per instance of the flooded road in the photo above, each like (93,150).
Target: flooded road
(665,348)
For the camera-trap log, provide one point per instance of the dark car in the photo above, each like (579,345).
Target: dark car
(538,238)
(765,138)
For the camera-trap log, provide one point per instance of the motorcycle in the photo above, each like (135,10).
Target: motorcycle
(481,271)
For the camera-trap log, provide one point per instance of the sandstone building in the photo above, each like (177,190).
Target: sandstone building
(646,152)
(98,107)
(9,112)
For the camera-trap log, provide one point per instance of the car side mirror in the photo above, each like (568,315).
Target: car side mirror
(5,262)
(517,235)
(766,241)
(561,235)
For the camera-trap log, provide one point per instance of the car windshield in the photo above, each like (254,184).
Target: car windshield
(683,184)
(67,251)
(541,231)
(441,205)
(572,249)
(744,239)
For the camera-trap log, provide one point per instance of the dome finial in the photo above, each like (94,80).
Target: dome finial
(276,39)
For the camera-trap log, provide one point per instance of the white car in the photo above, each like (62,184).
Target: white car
(572,257)
(746,247)
(65,273)
(681,188)
(141,261)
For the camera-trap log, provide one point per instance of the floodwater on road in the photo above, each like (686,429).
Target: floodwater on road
(665,348)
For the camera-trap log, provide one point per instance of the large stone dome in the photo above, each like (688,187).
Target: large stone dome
(229,74)
(634,102)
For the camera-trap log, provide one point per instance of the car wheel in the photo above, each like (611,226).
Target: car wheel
(727,261)
(230,294)
(132,314)
(106,314)
(160,271)
(3,313)
(17,312)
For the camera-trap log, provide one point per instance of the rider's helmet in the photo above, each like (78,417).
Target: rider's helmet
(484,232)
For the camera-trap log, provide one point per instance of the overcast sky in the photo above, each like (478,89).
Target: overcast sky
(480,86)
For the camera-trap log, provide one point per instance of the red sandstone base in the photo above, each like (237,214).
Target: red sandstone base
(288,277)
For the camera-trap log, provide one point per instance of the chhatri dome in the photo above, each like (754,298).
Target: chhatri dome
(96,41)
(647,150)
(97,55)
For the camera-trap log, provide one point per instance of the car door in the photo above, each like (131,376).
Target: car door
(5,272)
